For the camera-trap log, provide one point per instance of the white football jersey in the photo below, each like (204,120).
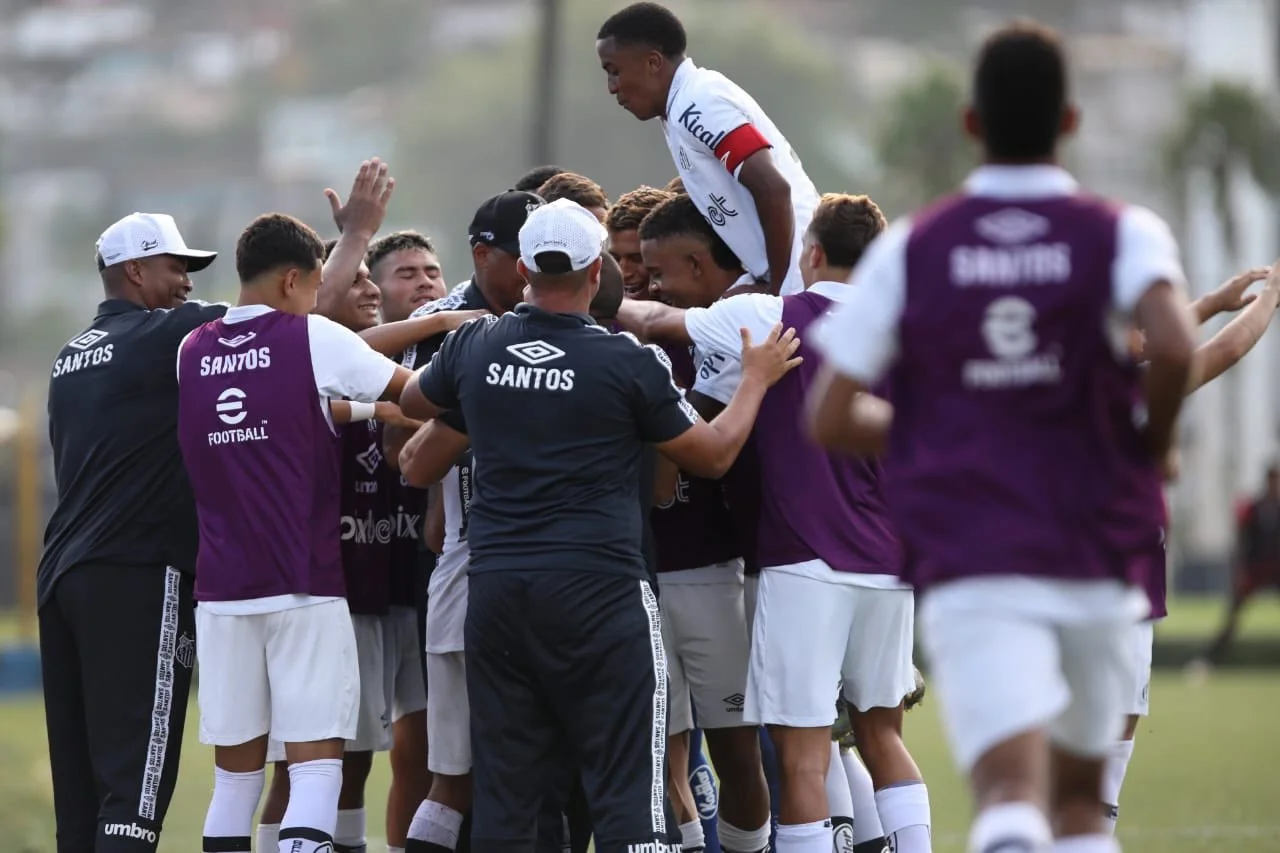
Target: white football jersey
(447,588)
(712,126)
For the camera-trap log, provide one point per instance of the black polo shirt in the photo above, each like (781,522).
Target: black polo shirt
(559,412)
(123,494)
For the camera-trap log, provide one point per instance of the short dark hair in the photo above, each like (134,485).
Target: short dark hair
(844,225)
(536,177)
(631,208)
(396,241)
(276,240)
(678,216)
(577,188)
(1020,91)
(676,185)
(647,25)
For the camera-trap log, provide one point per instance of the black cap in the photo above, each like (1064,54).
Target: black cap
(498,221)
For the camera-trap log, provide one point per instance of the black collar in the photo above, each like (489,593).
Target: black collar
(115,305)
(473,297)
(567,319)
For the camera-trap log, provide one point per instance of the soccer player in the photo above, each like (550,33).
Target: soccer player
(277,650)
(406,268)
(1212,359)
(734,162)
(563,635)
(997,317)
(117,632)
(831,609)
(577,188)
(623,222)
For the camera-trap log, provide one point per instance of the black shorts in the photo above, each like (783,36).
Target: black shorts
(566,669)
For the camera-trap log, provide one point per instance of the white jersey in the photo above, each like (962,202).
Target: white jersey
(447,589)
(712,126)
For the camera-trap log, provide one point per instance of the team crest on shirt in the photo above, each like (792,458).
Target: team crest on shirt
(1012,226)
(185,651)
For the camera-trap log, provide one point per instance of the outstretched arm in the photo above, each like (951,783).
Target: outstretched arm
(394,338)
(1234,341)
(357,220)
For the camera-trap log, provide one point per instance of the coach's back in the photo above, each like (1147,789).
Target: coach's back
(558,411)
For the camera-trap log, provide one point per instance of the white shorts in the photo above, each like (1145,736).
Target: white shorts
(704,631)
(401,642)
(447,601)
(750,594)
(812,637)
(448,715)
(1011,655)
(292,673)
(1143,638)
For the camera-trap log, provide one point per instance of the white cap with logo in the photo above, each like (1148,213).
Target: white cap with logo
(145,235)
(566,227)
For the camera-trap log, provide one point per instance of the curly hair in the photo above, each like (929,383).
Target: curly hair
(676,185)
(631,208)
(576,188)
(844,225)
(678,216)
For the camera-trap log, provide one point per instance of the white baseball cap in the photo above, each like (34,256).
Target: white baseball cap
(566,227)
(145,235)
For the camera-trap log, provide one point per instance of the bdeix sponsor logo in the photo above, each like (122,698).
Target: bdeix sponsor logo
(130,830)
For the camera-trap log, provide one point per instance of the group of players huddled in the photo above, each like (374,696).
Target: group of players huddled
(981,423)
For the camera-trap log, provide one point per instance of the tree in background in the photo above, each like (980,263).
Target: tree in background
(921,145)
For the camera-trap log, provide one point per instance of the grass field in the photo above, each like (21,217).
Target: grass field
(1202,780)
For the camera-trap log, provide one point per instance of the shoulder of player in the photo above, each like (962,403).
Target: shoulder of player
(190,315)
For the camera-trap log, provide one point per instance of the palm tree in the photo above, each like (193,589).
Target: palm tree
(920,145)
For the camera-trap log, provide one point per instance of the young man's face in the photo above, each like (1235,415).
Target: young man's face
(360,304)
(681,272)
(625,248)
(634,78)
(408,278)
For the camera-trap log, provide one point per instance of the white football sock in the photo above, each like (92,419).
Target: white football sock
(904,814)
(1086,844)
(235,799)
(267,838)
(1011,824)
(839,801)
(436,824)
(692,837)
(805,837)
(391,849)
(1113,771)
(312,814)
(349,835)
(734,840)
(866,816)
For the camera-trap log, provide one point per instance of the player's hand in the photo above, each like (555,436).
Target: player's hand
(1171,465)
(366,205)
(389,413)
(454,319)
(773,359)
(1231,295)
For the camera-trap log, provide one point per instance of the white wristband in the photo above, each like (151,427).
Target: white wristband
(362,411)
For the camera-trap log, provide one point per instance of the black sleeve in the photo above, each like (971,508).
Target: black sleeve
(193,315)
(454,420)
(660,410)
(438,382)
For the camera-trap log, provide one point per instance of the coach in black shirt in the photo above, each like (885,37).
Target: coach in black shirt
(117,634)
(563,637)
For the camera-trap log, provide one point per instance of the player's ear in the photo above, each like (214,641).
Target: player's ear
(695,265)
(289,281)
(1070,120)
(971,123)
(522,269)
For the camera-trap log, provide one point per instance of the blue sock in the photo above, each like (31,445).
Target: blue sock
(770,759)
(705,795)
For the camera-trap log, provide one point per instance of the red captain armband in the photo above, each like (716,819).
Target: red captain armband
(739,144)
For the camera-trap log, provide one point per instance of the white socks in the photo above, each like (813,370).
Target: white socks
(349,835)
(805,837)
(228,824)
(267,837)
(1113,771)
(312,814)
(904,814)
(866,818)
(839,801)
(692,838)
(1087,844)
(435,824)
(1011,824)
(734,840)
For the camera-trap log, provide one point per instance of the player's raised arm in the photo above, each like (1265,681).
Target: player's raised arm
(1234,341)
(709,449)
(772,194)
(358,220)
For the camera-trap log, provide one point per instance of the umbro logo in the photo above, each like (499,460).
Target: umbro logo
(734,702)
(238,340)
(87,340)
(1012,226)
(370,459)
(535,352)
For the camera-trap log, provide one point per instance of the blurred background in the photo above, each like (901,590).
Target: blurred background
(218,111)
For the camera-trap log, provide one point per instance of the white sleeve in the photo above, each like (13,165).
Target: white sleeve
(716,374)
(859,338)
(344,364)
(716,329)
(1146,252)
(177,362)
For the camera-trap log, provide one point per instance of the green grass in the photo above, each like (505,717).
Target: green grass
(1202,780)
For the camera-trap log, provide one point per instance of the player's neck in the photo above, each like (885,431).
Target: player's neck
(561,301)
(251,294)
(831,275)
(1051,160)
(492,297)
